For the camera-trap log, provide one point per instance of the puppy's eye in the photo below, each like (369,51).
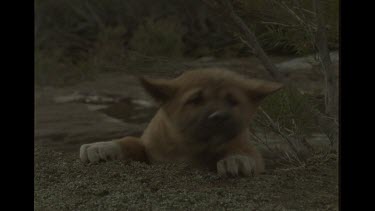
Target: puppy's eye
(195,100)
(232,101)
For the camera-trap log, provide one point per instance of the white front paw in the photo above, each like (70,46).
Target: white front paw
(235,165)
(98,151)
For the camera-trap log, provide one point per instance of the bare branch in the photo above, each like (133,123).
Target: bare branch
(260,140)
(249,37)
(277,129)
(278,24)
(325,60)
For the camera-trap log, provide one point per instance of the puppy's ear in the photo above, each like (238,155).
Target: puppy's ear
(257,90)
(160,89)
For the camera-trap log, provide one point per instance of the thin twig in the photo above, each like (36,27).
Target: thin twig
(278,130)
(265,143)
(278,24)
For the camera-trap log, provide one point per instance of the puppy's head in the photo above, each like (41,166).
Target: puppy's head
(209,105)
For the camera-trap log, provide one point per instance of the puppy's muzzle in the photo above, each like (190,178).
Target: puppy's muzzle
(219,116)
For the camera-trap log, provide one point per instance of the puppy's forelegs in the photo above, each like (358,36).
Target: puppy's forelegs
(240,159)
(125,148)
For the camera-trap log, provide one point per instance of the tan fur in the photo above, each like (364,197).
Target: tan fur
(170,134)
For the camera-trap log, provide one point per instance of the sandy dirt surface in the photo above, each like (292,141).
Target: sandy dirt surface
(62,182)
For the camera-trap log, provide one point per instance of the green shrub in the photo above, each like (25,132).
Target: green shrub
(108,53)
(77,39)
(278,27)
(161,38)
(52,69)
(291,110)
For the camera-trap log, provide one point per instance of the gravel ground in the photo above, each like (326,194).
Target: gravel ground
(62,182)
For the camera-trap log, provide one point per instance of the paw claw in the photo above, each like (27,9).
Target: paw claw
(100,151)
(236,165)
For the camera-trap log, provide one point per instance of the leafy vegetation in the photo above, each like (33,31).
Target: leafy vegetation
(78,38)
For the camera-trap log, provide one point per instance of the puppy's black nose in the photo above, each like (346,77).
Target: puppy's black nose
(219,116)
